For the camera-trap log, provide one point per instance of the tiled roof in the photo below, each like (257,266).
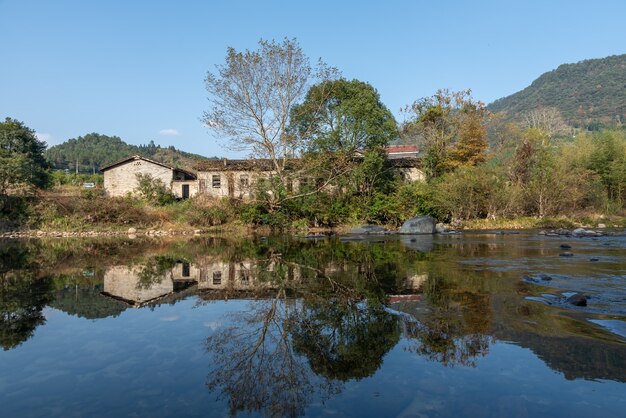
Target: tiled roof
(139,157)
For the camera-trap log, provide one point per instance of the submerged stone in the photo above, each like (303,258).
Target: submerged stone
(578,299)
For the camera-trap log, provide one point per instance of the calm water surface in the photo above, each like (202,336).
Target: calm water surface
(449,326)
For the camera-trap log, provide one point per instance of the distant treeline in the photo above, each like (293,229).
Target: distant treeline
(86,154)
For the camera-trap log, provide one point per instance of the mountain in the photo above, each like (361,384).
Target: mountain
(94,150)
(586,93)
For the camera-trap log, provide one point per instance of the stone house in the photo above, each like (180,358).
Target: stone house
(230,178)
(120,177)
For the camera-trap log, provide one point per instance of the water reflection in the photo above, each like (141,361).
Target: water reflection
(319,314)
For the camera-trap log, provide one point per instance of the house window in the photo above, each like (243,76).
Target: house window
(217,181)
(244,181)
(217,278)
(186,270)
(202,185)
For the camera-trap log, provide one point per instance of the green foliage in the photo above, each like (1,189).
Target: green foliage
(343,127)
(554,223)
(351,118)
(608,160)
(21,158)
(449,128)
(470,192)
(588,93)
(409,200)
(541,177)
(153,190)
(61,178)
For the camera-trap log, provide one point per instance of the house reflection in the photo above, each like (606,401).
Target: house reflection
(146,284)
(129,284)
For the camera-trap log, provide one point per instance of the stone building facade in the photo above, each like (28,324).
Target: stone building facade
(227,178)
(120,177)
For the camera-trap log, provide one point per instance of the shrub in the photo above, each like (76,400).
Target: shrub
(153,190)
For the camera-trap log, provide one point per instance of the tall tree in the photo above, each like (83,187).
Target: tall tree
(546,119)
(450,127)
(340,119)
(253,94)
(21,157)
(471,145)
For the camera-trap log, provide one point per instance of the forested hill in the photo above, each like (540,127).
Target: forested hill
(94,150)
(588,92)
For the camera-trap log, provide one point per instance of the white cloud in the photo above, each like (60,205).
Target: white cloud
(169,132)
(46,137)
(213,325)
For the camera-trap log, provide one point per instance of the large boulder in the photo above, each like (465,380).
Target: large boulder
(419,225)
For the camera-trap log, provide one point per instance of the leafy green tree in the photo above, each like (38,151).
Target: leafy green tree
(21,157)
(341,119)
(351,118)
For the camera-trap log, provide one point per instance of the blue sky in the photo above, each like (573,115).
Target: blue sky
(136,69)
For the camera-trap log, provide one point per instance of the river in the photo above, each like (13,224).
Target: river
(467,325)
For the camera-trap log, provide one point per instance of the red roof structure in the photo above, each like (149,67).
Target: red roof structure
(400,151)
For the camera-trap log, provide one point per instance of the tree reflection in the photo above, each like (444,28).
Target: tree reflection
(454,330)
(255,365)
(22,297)
(345,339)
(22,300)
(283,352)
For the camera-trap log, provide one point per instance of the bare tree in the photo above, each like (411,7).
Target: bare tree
(253,95)
(546,119)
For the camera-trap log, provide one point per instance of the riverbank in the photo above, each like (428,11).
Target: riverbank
(55,215)
(239,229)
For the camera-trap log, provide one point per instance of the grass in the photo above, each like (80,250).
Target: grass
(586,221)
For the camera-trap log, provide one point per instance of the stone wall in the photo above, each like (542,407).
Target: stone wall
(177,187)
(411,174)
(122,179)
(237,184)
(124,282)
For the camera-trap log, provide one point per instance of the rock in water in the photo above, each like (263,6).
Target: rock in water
(368,229)
(578,299)
(419,225)
(567,254)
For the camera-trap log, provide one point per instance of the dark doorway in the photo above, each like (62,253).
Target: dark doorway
(185,191)
(231,187)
